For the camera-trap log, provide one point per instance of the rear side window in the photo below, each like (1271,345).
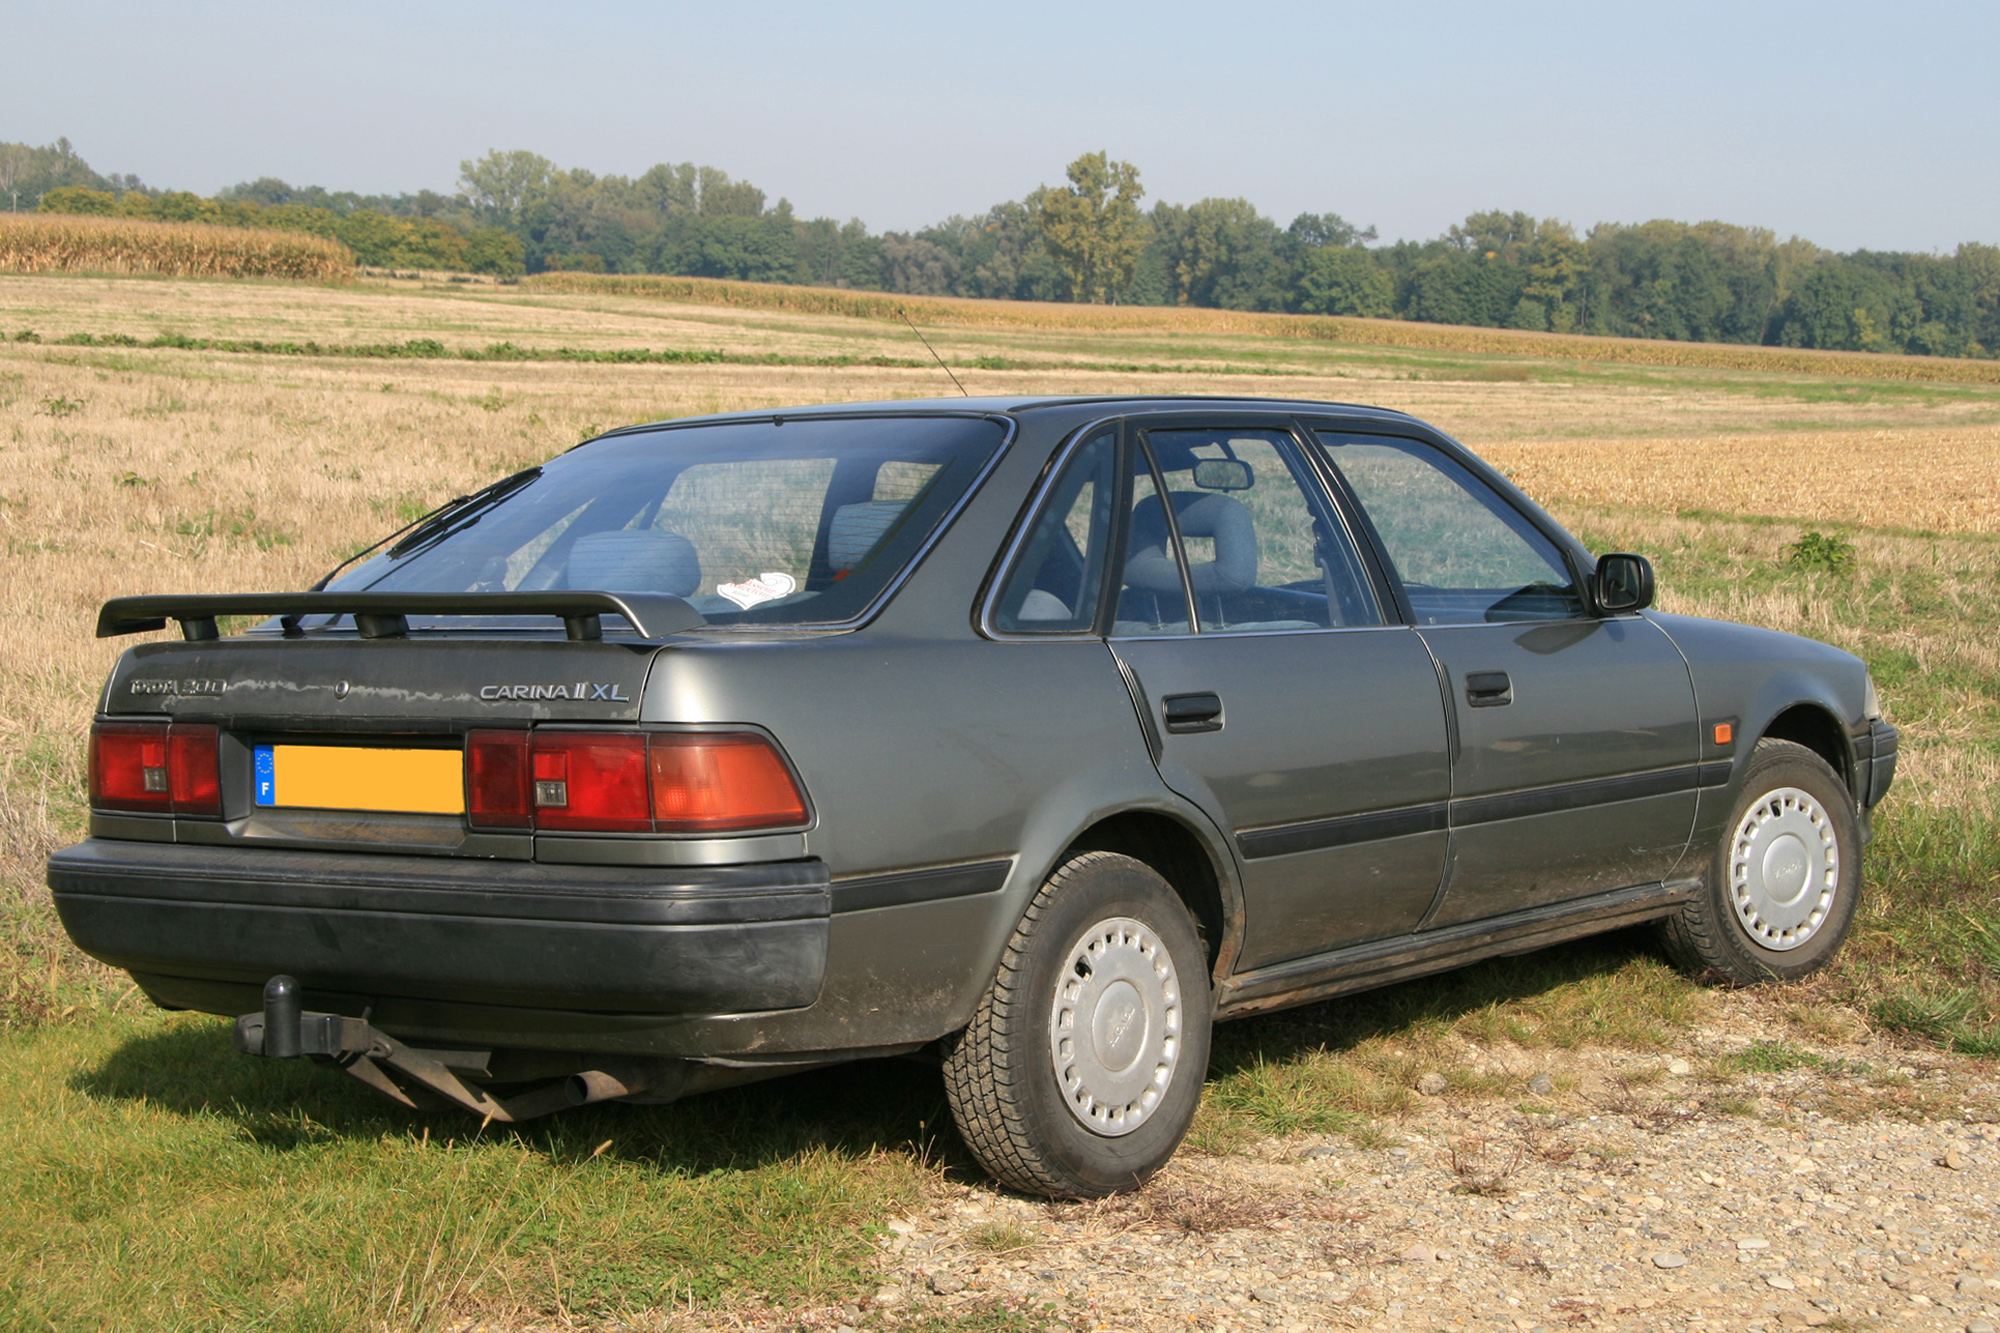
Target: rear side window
(1055,580)
(755,523)
(1464,555)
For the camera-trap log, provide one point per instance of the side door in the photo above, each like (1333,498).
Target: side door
(1575,737)
(1279,696)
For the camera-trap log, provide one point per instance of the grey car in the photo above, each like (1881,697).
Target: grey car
(1030,735)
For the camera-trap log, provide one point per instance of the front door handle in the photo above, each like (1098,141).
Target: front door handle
(1488,689)
(1192,712)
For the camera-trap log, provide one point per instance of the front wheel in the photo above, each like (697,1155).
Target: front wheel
(1784,880)
(1082,1067)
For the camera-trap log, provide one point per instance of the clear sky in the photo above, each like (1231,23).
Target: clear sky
(1854,125)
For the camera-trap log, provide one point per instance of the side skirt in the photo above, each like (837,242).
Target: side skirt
(1383,962)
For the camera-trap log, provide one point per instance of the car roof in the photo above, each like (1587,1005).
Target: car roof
(1026,405)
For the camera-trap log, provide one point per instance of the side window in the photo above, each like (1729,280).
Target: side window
(1053,585)
(1264,550)
(1152,599)
(1465,556)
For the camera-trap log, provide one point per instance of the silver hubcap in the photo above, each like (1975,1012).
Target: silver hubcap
(1784,867)
(1115,1028)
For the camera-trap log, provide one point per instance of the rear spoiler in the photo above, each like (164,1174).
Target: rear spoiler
(384,615)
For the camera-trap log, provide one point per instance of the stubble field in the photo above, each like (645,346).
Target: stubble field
(154,1180)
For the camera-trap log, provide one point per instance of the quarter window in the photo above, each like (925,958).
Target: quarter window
(1054,584)
(1464,555)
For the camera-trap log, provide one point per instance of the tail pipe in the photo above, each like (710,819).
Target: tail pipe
(623,1079)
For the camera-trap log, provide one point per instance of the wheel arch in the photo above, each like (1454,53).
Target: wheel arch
(1182,857)
(1816,728)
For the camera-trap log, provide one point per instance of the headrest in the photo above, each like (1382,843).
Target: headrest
(635,560)
(1200,514)
(1041,605)
(857,529)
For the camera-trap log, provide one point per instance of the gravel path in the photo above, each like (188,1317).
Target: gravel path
(1618,1191)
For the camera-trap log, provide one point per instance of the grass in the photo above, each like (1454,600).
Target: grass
(158,1180)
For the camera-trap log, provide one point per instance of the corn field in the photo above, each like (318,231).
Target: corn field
(58,243)
(965,312)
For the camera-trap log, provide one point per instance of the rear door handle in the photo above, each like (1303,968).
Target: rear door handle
(1488,689)
(1192,712)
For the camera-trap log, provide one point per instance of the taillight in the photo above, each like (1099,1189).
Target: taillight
(721,783)
(496,779)
(156,767)
(628,782)
(590,781)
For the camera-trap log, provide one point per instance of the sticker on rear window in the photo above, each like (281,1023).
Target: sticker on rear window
(267,776)
(768,586)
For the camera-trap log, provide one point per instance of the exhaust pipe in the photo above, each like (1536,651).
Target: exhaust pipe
(604,1085)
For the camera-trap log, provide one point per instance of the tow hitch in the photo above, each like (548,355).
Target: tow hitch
(285,1030)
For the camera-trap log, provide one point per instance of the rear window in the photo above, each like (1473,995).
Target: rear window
(755,523)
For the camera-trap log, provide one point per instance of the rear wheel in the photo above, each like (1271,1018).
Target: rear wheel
(1785,877)
(1082,1067)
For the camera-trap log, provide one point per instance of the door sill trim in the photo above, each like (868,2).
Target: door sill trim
(1402,957)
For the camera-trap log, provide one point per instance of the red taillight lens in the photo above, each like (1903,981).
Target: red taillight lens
(628,782)
(496,779)
(721,783)
(194,769)
(590,780)
(156,767)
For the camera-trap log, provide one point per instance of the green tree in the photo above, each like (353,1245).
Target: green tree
(79,199)
(1344,280)
(1556,262)
(495,250)
(1222,253)
(16,161)
(1311,231)
(1093,228)
(500,185)
(1501,235)
(1980,265)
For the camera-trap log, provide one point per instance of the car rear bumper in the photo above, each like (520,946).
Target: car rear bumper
(605,939)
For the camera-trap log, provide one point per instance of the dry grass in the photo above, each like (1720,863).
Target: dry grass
(1924,478)
(126,471)
(1328,328)
(59,243)
(133,470)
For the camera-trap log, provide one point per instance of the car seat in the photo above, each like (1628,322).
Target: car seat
(857,529)
(635,560)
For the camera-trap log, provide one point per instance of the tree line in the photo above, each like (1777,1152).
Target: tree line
(1090,239)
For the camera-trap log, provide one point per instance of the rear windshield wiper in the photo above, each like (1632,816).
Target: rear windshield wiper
(441,522)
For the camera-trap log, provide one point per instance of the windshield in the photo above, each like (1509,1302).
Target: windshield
(755,523)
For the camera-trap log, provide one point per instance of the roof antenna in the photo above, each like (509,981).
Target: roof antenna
(928,348)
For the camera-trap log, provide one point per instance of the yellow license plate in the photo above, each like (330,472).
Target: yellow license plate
(352,777)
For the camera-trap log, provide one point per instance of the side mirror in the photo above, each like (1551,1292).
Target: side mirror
(1623,582)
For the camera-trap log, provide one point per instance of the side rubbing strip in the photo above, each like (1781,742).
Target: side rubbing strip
(1573,795)
(1716,774)
(1348,829)
(919,886)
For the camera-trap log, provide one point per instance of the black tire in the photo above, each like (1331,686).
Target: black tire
(1772,910)
(1022,1116)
